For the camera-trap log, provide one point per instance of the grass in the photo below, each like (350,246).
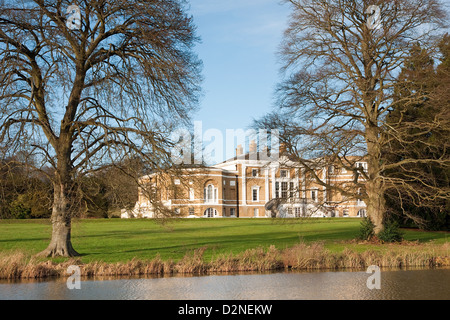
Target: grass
(118,240)
(201,245)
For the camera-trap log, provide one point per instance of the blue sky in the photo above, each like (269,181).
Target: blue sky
(239,42)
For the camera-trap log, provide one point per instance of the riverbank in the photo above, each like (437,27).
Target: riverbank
(200,246)
(301,256)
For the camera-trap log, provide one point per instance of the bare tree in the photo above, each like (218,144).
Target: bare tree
(88,83)
(341,60)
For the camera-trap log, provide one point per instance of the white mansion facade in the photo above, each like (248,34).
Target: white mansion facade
(247,186)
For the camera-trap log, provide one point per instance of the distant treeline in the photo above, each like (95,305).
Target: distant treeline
(27,193)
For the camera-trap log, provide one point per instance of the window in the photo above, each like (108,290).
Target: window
(255,213)
(255,194)
(362,213)
(284,174)
(289,211)
(191,194)
(232,183)
(343,170)
(210,213)
(297,212)
(177,210)
(255,172)
(345,213)
(314,195)
(210,194)
(331,169)
(291,190)
(362,165)
(191,211)
(284,190)
(359,201)
(277,189)
(177,182)
(232,212)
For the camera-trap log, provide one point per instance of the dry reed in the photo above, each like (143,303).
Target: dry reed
(314,256)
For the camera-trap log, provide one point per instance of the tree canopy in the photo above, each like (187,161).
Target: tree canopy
(84,84)
(341,62)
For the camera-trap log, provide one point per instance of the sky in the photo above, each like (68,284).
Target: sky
(239,44)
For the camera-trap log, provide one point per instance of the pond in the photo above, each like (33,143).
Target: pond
(393,285)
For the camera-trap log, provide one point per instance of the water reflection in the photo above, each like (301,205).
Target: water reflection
(395,284)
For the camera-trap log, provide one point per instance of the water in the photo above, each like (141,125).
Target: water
(395,285)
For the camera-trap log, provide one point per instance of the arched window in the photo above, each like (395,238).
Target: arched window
(210,194)
(210,213)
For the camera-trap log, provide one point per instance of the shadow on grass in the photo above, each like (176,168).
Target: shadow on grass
(223,244)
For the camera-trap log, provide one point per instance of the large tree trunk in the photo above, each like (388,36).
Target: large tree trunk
(61,244)
(63,206)
(376,205)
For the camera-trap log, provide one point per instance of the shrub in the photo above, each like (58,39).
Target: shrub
(391,232)
(30,205)
(20,209)
(366,229)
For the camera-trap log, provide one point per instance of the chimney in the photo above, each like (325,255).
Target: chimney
(253,146)
(239,151)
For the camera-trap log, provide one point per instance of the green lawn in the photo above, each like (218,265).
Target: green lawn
(118,240)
